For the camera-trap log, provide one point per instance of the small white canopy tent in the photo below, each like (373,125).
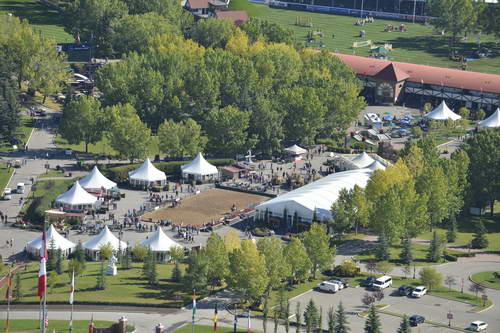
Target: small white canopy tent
(93,246)
(199,168)
(160,244)
(53,239)
(376,166)
(96,181)
(76,198)
(296,150)
(492,121)
(362,160)
(442,112)
(147,175)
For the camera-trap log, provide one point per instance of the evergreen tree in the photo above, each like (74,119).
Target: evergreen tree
(276,320)
(177,273)
(372,324)
(311,316)
(382,248)
(18,287)
(265,314)
(153,274)
(285,313)
(342,324)
(320,320)
(101,278)
(404,327)
(52,253)
(451,234)
(125,263)
(435,252)
(406,254)
(332,320)
(146,267)
(59,261)
(480,241)
(79,253)
(298,318)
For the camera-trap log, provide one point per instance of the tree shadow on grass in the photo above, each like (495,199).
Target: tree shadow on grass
(34,12)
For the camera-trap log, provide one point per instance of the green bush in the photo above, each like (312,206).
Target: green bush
(340,150)
(348,269)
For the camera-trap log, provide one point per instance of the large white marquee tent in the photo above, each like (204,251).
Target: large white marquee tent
(147,175)
(442,112)
(199,168)
(362,160)
(93,246)
(76,198)
(314,197)
(160,244)
(96,181)
(492,121)
(53,239)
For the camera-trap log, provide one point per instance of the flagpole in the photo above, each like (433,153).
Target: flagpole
(194,309)
(44,318)
(7,324)
(71,298)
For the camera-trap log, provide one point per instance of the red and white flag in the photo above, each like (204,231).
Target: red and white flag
(72,289)
(42,273)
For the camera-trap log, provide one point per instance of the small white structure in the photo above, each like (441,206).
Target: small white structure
(147,175)
(442,112)
(76,199)
(362,160)
(296,150)
(160,244)
(112,270)
(53,239)
(96,181)
(93,246)
(492,121)
(199,169)
(376,166)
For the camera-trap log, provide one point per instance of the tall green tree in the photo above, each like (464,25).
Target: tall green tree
(372,323)
(277,268)
(342,323)
(311,317)
(84,121)
(404,327)
(406,254)
(196,277)
(453,16)
(480,241)
(272,32)
(436,248)
(266,125)
(332,320)
(9,109)
(212,33)
(382,247)
(219,259)
(317,244)
(431,278)
(181,138)
(18,291)
(296,255)
(171,10)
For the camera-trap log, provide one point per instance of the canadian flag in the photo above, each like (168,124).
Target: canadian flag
(42,274)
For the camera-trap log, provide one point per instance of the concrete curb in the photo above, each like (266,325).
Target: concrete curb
(10,178)
(395,314)
(29,139)
(482,285)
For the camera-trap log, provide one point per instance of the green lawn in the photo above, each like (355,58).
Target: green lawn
(22,133)
(420,44)
(44,19)
(79,326)
(207,329)
(487,279)
(51,173)
(4,176)
(126,288)
(249,7)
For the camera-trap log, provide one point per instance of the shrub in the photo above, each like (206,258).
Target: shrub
(139,252)
(348,269)
(480,241)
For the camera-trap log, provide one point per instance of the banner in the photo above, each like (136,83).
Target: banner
(361,44)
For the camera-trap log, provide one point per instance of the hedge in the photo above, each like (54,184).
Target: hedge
(341,150)
(455,256)
(119,174)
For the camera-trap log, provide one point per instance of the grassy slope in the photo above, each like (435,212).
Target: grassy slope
(249,7)
(44,19)
(486,279)
(4,176)
(79,326)
(420,44)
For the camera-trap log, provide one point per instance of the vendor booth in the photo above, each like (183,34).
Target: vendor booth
(442,112)
(147,175)
(199,169)
(160,244)
(76,199)
(93,246)
(54,241)
(96,182)
(296,152)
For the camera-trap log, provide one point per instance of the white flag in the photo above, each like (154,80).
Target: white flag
(72,288)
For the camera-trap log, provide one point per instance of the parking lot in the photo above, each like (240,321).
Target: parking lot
(431,307)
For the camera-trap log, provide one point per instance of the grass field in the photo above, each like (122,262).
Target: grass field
(420,44)
(126,288)
(79,326)
(44,19)
(51,173)
(4,176)
(22,133)
(487,279)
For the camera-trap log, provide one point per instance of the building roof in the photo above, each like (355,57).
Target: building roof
(427,74)
(237,16)
(197,4)
(492,121)
(391,73)
(95,180)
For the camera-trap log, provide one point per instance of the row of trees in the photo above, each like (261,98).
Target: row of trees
(254,270)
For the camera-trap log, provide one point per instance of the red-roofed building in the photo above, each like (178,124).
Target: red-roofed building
(399,82)
(237,16)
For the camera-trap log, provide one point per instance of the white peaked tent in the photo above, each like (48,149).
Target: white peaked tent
(92,246)
(442,112)
(376,166)
(147,175)
(296,150)
(53,237)
(160,244)
(76,198)
(362,160)
(199,168)
(95,181)
(492,121)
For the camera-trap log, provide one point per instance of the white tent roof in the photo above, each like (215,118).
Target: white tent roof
(104,237)
(362,160)
(199,166)
(76,196)
(296,150)
(159,242)
(318,195)
(492,121)
(376,166)
(95,180)
(147,172)
(442,112)
(52,236)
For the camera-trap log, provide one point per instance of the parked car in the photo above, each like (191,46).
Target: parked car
(20,188)
(382,282)
(341,282)
(7,193)
(328,287)
(416,319)
(368,282)
(419,291)
(405,290)
(478,326)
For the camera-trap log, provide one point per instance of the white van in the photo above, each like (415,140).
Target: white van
(382,282)
(7,193)
(20,188)
(328,287)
